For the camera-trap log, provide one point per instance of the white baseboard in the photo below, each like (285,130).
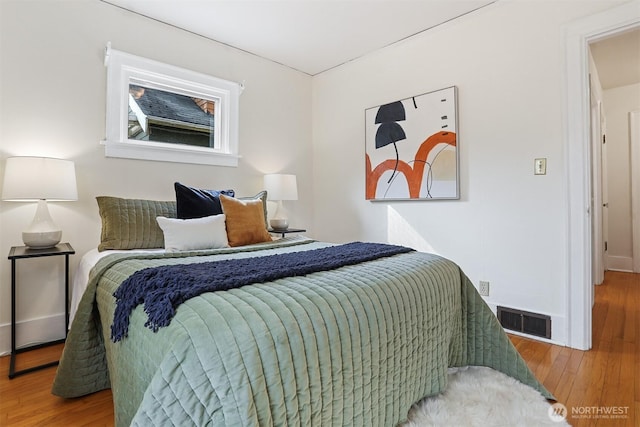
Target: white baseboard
(33,331)
(620,263)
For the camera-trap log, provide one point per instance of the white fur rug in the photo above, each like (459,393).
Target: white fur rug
(479,396)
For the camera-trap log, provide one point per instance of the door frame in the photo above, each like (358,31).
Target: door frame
(578,35)
(634,136)
(597,200)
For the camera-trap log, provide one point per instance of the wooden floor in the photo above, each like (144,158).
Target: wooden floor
(605,379)
(595,383)
(26,400)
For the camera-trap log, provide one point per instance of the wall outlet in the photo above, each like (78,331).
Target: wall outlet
(483,289)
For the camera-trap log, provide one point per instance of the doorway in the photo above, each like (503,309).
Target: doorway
(614,82)
(578,35)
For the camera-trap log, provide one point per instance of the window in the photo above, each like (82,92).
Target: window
(156,111)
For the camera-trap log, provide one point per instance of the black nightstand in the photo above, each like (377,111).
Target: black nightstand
(20,252)
(288,230)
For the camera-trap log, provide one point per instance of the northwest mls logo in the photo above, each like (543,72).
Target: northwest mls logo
(557,412)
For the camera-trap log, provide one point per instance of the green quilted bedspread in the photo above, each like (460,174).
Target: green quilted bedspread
(354,346)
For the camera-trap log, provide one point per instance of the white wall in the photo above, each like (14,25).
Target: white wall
(509,227)
(52,103)
(618,103)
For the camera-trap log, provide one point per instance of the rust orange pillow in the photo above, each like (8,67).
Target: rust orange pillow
(245,221)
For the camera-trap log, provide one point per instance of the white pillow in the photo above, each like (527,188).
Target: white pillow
(193,234)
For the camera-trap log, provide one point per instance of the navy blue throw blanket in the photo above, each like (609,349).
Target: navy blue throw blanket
(163,289)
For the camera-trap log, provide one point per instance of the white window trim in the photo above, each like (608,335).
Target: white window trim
(124,68)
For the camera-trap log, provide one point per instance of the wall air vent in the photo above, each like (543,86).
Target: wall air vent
(525,322)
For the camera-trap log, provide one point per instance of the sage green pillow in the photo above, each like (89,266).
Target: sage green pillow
(131,223)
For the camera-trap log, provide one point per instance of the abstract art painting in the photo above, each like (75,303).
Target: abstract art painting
(411,148)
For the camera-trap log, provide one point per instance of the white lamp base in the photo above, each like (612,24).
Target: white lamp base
(42,233)
(280,220)
(47,239)
(279,223)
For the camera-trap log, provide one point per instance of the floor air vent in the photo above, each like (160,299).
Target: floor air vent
(525,322)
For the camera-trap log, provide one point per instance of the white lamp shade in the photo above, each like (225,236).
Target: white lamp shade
(39,178)
(281,186)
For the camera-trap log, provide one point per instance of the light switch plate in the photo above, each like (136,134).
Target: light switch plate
(540,166)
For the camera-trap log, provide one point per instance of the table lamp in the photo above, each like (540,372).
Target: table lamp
(40,179)
(280,187)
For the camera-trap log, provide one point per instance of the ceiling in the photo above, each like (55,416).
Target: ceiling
(617,59)
(311,36)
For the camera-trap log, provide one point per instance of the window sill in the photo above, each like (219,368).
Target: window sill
(169,153)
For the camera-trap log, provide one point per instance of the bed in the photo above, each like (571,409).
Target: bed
(356,344)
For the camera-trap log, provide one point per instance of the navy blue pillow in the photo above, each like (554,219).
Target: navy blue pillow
(198,203)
